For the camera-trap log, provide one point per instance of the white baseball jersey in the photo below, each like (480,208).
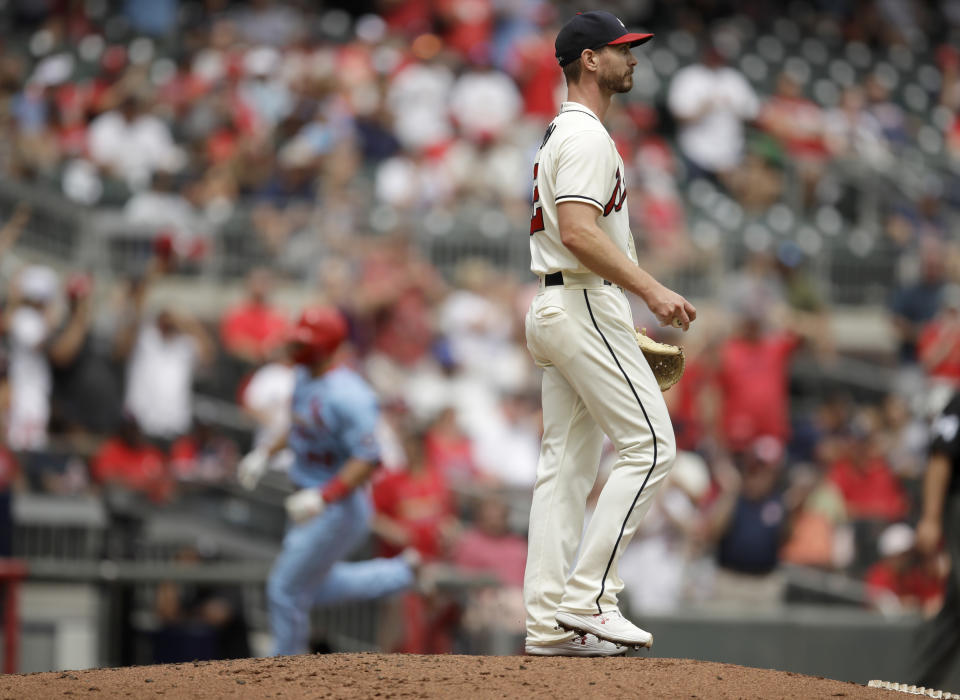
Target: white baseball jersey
(577,162)
(595,382)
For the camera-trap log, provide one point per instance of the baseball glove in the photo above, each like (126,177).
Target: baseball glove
(665,360)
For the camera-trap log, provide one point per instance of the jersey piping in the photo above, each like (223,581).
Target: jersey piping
(623,525)
(582,111)
(578,196)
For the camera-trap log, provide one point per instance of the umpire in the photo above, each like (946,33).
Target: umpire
(938,641)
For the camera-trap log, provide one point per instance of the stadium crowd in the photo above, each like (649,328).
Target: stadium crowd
(186,115)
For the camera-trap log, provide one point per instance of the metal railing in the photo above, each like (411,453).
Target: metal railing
(852,260)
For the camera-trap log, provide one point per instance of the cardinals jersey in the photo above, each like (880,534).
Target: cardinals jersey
(333,418)
(577,162)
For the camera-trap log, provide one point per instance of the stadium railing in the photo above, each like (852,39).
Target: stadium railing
(852,259)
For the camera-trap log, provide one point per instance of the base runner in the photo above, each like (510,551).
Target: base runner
(334,415)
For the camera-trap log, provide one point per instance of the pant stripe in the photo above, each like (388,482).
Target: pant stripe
(603,580)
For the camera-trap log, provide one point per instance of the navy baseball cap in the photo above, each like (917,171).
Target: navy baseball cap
(593,30)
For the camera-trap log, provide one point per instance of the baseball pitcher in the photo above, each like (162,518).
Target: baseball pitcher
(595,379)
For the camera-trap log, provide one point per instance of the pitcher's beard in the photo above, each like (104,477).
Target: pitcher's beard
(617,83)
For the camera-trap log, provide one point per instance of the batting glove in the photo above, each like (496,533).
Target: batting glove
(304,505)
(252,468)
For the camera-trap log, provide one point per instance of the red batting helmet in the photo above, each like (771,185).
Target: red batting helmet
(317,334)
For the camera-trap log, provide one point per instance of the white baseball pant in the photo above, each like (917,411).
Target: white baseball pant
(595,381)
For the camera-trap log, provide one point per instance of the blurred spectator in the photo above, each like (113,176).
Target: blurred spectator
(753,378)
(397,289)
(467,24)
(656,566)
(155,17)
(711,100)
(949,59)
(130,144)
(418,97)
(760,181)
(197,621)
(127,460)
(938,346)
(916,302)
(203,456)
(266,397)
(800,288)
(489,547)
(798,123)
(414,509)
(824,439)
(9,234)
(449,451)
(694,405)
(888,115)
(29,319)
(162,354)
(870,489)
(898,581)
(269,22)
(757,286)
(919,223)
(86,390)
(262,91)
(163,208)
(375,134)
(750,523)
(852,132)
(904,437)
(484,102)
(804,310)
(254,330)
(507,443)
(819,534)
(660,216)
(953,138)
(414,506)
(534,65)
(478,327)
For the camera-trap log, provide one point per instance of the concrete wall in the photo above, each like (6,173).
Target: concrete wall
(839,643)
(59,627)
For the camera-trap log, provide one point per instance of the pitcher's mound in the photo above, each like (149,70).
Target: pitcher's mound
(403,676)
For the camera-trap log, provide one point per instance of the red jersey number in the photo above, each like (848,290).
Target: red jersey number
(616,199)
(536,221)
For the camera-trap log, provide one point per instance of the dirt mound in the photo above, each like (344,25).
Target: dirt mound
(401,676)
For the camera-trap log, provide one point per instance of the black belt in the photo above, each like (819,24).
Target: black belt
(555,279)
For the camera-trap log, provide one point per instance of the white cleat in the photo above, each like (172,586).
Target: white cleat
(577,645)
(611,626)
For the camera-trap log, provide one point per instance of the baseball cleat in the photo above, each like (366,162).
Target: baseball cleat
(611,626)
(577,645)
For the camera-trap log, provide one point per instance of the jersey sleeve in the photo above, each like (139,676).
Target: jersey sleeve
(585,169)
(360,414)
(945,431)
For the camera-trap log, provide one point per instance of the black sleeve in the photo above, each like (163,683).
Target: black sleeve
(945,431)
